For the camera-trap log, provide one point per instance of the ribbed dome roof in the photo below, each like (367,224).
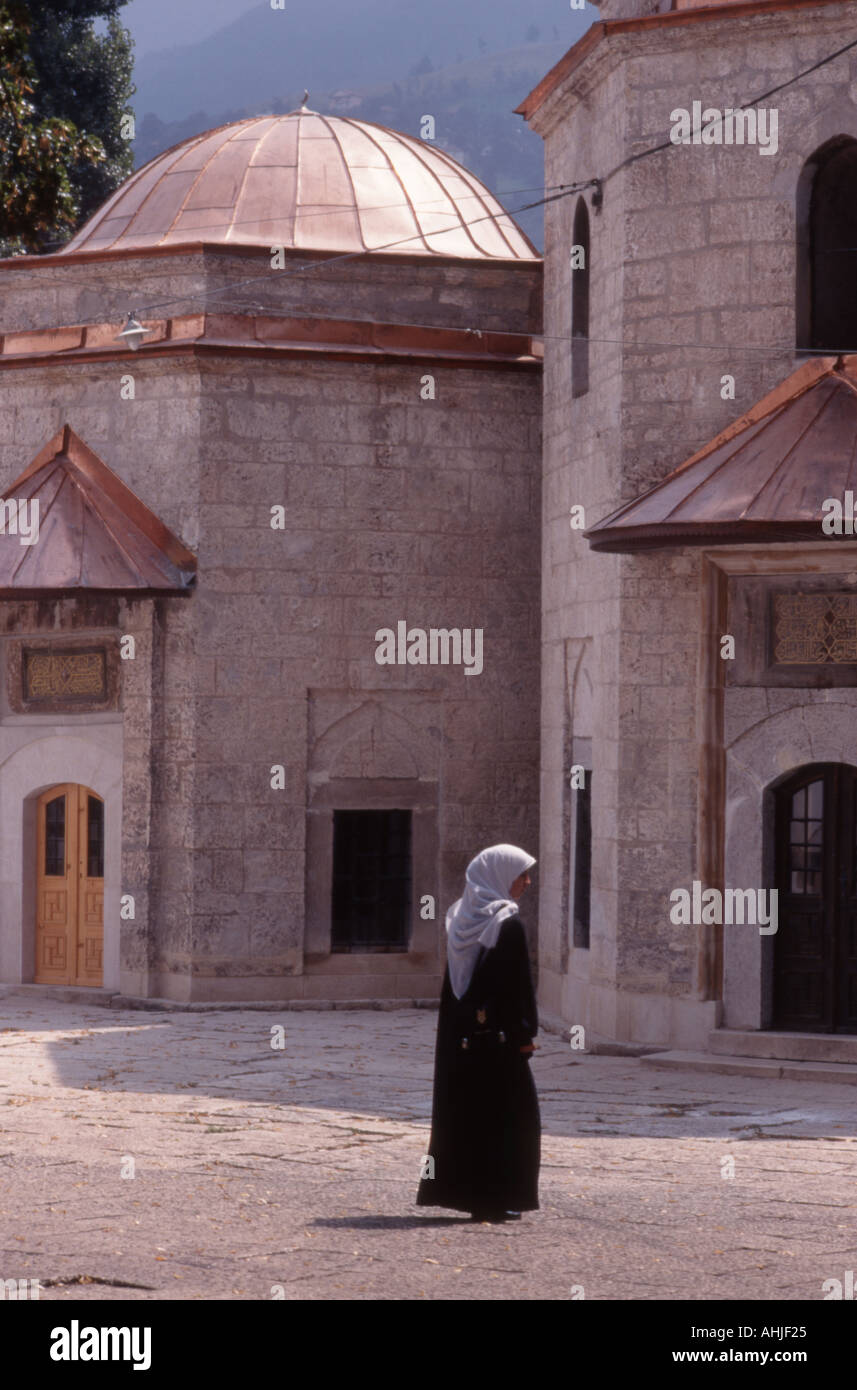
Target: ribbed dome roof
(315,183)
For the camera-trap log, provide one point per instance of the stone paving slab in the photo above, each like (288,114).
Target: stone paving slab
(260,1171)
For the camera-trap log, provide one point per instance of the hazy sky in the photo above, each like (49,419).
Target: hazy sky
(165,23)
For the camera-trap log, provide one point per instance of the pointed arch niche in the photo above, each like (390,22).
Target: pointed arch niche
(375,754)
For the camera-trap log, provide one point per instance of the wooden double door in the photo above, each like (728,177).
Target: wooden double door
(815,946)
(69,886)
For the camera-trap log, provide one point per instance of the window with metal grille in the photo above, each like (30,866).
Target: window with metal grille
(582,862)
(55,837)
(371,881)
(95,838)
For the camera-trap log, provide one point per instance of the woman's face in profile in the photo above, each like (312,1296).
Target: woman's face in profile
(521,883)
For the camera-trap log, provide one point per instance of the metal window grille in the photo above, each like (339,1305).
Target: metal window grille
(371,881)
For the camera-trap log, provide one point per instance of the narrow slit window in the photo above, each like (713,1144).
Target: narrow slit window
(371,881)
(580,302)
(582,862)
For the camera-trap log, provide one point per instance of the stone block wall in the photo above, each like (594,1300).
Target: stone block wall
(396,509)
(580,598)
(693,267)
(92,287)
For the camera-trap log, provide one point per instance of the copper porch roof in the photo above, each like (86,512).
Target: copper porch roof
(310,183)
(763,479)
(93,532)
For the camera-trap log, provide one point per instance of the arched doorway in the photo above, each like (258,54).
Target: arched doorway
(69,886)
(815,946)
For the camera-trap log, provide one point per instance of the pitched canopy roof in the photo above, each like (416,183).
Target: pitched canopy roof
(308,182)
(93,532)
(764,478)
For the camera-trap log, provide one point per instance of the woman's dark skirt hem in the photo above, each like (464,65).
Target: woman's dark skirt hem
(478,1204)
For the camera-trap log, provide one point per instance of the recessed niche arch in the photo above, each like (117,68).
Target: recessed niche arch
(91,760)
(368,756)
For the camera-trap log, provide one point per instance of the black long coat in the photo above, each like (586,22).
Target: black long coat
(486,1133)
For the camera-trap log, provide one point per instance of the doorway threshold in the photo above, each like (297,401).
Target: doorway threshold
(68,994)
(786,1046)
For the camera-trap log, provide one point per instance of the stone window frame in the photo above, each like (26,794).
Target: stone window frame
(367,794)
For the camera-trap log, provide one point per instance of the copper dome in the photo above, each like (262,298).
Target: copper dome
(308,182)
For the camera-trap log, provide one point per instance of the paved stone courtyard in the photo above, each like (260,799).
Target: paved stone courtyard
(264,1173)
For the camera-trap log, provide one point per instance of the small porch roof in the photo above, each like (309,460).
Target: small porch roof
(94,533)
(763,479)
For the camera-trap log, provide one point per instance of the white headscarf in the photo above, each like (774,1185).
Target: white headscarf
(475,919)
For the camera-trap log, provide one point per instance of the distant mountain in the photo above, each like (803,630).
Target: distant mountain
(327,44)
(472,103)
(159,24)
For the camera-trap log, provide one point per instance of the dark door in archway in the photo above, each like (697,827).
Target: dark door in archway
(815,946)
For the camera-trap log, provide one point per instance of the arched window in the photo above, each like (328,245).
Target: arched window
(580,301)
(827,249)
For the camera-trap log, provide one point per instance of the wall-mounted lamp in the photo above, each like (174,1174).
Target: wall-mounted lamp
(133,332)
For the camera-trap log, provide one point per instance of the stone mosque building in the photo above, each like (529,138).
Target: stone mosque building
(310,447)
(355,564)
(713,270)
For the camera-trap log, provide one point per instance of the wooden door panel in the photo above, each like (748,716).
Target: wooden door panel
(53,956)
(69,888)
(91,889)
(56,887)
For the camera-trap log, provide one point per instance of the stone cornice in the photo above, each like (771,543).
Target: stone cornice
(273,336)
(541,109)
(58,261)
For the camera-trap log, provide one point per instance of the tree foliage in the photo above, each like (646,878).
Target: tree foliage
(64,90)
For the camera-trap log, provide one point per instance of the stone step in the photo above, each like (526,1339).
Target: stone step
(842,1073)
(68,994)
(790,1047)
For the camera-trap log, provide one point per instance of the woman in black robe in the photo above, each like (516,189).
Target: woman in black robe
(484,1151)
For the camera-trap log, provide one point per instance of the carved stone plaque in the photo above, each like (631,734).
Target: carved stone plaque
(64,675)
(815,629)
